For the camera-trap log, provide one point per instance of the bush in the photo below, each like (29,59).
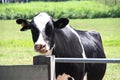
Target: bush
(114,11)
(70,9)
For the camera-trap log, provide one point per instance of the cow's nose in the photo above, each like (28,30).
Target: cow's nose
(40,48)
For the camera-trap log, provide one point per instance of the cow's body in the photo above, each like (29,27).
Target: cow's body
(92,44)
(59,39)
(66,47)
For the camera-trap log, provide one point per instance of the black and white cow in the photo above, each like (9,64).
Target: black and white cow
(56,37)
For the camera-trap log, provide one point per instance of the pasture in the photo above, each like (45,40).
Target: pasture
(16,48)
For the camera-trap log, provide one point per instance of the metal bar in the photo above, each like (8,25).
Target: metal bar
(87,60)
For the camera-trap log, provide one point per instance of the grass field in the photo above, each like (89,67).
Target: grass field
(16,48)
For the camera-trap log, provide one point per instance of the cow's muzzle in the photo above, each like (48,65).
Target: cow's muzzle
(40,48)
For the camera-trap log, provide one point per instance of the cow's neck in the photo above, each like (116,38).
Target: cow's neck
(67,43)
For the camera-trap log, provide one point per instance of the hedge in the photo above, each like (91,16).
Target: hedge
(69,9)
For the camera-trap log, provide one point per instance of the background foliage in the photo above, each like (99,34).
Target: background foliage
(69,9)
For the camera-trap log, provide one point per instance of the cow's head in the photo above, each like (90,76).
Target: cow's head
(42,28)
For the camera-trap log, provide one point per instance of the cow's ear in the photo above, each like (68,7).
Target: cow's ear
(24,23)
(61,23)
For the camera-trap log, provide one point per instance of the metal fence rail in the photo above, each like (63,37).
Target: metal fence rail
(87,60)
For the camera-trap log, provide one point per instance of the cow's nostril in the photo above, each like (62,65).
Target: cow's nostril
(43,46)
(37,47)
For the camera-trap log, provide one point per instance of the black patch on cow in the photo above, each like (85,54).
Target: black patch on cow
(35,32)
(49,29)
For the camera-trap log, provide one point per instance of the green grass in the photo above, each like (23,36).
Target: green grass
(16,48)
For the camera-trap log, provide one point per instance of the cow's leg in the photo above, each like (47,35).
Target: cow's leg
(74,70)
(65,77)
(96,72)
(85,76)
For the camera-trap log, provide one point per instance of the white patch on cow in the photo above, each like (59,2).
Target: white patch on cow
(41,20)
(83,53)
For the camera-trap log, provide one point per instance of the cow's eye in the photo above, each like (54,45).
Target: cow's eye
(48,30)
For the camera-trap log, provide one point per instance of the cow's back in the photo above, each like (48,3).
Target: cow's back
(92,44)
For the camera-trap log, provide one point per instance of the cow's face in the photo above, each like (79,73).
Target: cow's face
(42,28)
